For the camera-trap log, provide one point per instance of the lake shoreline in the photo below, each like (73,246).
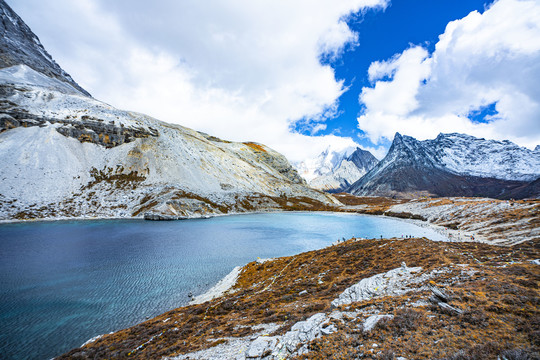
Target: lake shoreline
(295,298)
(450,234)
(108,274)
(421,223)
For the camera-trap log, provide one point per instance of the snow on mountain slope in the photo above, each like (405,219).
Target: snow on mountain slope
(348,170)
(450,165)
(20,46)
(24,75)
(63,154)
(324,164)
(467,155)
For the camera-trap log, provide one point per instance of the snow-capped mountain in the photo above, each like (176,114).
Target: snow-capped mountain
(19,45)
(346,170)
(65,154)
(325,163)
(451,165)
(334,170)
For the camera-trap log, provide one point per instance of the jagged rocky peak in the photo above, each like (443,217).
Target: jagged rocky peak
(363,159)
(467,155)
(452,165)
(20,46)
(471,156)
(333,171)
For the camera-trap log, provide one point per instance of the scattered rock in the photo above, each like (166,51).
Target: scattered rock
(261,347)
(450,309)
(162,217)
(371,321)
(438,295)
(440,298)
(329,329)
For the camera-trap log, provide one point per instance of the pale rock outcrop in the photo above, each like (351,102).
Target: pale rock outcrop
(294,342)
(371,321)
(391,283)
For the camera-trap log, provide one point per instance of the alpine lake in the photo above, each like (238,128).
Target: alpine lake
(64,282)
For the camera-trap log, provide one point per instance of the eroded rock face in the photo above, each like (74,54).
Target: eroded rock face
(85,128)
(121,163)
(19,45)
(95,130)
(276,161)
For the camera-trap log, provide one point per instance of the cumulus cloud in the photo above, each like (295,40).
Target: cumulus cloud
(240,70)
(482,60)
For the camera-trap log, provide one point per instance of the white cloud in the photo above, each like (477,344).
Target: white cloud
(480,60)
(241,70)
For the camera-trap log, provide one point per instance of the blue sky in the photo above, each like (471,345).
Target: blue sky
(383,34)
(306,75)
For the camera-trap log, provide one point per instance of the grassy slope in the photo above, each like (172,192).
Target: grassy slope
(500,301)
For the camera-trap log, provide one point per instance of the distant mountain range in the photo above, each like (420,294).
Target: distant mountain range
(334,171)
(453,165)
(65,154)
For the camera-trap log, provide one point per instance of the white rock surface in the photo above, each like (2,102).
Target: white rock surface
(294,342)
(233,348)
(371,321)
(393,282)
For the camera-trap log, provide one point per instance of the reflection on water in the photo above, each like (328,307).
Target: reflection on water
(65,282)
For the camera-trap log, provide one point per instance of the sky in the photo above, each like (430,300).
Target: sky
(301,76)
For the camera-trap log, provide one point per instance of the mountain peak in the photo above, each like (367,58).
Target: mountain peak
(450,165)
(333,171)
(20,46)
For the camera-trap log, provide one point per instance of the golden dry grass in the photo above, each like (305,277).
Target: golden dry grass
(501,302)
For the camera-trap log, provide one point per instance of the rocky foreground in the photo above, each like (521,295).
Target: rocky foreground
(365,299)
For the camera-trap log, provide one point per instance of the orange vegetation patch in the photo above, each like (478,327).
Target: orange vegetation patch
(499,299)
(371,205)
(255,146)
(349,199)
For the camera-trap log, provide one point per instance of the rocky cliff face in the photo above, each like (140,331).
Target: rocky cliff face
(65,154)
(334,171)
(20,46)
(452,165)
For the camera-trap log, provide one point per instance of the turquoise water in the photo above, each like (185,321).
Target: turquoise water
(64,282)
